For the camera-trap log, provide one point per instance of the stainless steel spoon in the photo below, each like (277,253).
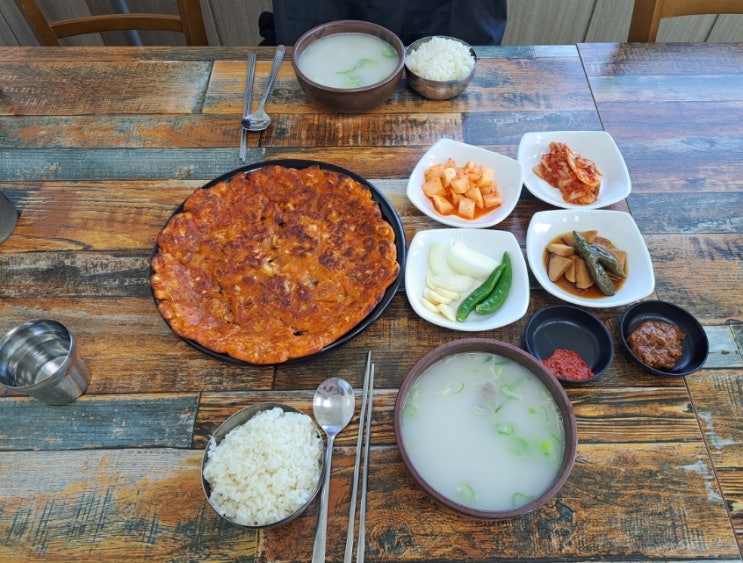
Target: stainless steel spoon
(333,406)
(259,119)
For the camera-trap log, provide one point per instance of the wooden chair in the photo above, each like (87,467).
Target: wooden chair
(646,14)
(189,21)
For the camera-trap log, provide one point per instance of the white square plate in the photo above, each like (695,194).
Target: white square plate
(599,146)
(508,176)
(617,226)
(492,243)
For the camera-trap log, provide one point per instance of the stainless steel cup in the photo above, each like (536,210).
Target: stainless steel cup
(40,358)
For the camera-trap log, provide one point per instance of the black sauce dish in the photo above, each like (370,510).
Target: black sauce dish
(694,345)
(570,328)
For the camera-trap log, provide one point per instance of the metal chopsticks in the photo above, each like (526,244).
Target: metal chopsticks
(247,101)
(362,442)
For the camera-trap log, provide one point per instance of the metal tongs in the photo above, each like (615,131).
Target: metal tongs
(362,442)
(247,101)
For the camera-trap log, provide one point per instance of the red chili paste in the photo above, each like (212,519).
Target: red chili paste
(568,365)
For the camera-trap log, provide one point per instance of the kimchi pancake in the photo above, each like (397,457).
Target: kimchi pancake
(275,262)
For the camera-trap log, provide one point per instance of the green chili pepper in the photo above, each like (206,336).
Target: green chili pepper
(608,260)
(479,294)
(498,296)
(597,271)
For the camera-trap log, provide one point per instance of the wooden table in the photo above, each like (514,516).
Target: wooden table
(97,148)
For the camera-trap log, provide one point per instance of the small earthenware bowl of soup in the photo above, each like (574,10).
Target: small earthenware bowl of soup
(348,66)
(485,429)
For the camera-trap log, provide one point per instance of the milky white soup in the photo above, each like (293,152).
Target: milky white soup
(348,60)
(483,431)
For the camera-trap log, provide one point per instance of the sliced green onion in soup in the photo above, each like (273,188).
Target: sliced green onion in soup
(466,492)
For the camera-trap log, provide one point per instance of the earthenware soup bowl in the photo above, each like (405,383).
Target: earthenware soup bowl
(351,98)
(485,429)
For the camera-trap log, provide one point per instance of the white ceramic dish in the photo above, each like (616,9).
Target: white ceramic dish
(617,226)
(489,242)
(508,175)
(599,146)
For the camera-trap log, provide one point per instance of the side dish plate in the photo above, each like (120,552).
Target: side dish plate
(570,328)
(694,346)
(388,213)
(599,146)
(617,226)
(508,176)
(492,243)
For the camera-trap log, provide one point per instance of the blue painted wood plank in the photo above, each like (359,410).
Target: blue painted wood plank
(98,422)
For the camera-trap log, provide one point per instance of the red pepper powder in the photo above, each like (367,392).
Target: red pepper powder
(568,365)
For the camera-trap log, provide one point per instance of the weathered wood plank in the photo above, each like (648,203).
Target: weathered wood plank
(113,505)
(107,215)
(702,170)
(673,130)
(345,131)
(660,88)
(717,400)
(70,88)
(731,483)
(723,351)
(716,397)
(91,164)
(737,329)
(150,421)
(124,131)
(84,274)
(700,273)
(29,55)
(608,60)
(59,216)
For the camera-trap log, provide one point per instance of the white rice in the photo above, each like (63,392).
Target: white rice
(265,469)
(441,59)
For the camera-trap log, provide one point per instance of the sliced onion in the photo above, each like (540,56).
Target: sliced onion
(463,260)
(451,282)
(438,256)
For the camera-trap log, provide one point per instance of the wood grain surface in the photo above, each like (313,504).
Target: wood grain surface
(98,149)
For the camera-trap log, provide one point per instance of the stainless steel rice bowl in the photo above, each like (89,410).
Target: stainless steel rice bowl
(263,466)
(431,86)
